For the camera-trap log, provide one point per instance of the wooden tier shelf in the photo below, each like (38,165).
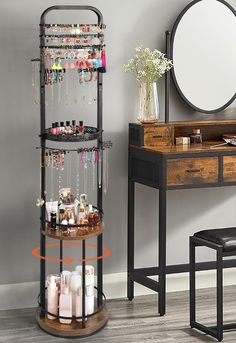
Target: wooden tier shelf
(74,330)
(58,235)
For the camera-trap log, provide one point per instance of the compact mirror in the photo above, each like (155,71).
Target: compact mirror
(203,50)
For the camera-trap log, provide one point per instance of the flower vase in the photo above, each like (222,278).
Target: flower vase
(148,103)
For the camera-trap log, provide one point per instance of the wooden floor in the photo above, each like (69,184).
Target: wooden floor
(132,322)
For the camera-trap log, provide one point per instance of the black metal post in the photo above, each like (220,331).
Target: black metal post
(220,294)
(83,284)
(99,188)
(192,281)
(43,177)
(162,252)
(167,81)
(61,256)
(130,246)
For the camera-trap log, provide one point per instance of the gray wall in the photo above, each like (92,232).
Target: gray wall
(129,24)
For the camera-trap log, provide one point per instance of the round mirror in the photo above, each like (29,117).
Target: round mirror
(203,50)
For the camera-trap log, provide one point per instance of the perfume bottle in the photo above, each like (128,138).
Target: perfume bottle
(196,137)
(96,218)
(81,213)
(65,301)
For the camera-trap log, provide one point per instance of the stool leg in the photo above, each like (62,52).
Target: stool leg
(192,282)
(220,294)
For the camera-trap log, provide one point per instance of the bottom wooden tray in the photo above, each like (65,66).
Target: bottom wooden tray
(74,330)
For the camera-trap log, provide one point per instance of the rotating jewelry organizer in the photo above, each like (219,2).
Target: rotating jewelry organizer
(71,45)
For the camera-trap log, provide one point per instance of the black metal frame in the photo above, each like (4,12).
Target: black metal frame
(43,139)
(170,36)
(150,169)
(215,331)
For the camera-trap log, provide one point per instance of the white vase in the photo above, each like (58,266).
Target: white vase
(148,103)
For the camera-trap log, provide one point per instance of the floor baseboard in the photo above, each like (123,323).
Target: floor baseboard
(24,295)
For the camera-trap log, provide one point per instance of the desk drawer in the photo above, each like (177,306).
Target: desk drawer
(191,171)
(229,168)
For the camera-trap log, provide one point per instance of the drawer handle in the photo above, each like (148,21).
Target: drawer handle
(157,136)
(193,170)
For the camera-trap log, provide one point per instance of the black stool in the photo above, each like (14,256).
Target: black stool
(224,242)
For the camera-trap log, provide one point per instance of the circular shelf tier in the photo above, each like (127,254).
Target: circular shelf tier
(90,134)
(74,330)
(71,237)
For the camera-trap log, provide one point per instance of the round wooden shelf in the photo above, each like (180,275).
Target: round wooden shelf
(58,235)
(90,134)
(93,324)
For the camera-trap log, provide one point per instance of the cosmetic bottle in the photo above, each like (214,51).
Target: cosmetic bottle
(52,299)
(81,213)
(57,128)
(81,127)
(196,137)
(65,300)
(83,199)
(96,218)
(62,128)
(53,221)
(53,129)
(68,130)
(76,284)
(64,227)
(91,216)
(73,126)
(89,287)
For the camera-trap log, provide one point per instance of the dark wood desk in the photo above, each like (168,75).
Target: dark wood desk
(166,167)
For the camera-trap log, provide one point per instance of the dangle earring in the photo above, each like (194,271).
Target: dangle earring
(77,176)
(105,170)
(99,168)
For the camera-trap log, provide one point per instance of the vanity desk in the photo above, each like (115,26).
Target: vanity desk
(155,161)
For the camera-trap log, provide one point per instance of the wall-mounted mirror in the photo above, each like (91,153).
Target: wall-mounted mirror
(203,50)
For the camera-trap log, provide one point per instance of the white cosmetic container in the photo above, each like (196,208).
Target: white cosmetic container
(52,300)
(65,301)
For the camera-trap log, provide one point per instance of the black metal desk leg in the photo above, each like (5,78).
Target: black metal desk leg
(130,254)
(192,281)
(162,252)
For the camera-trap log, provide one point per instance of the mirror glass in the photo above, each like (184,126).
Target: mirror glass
(203,49)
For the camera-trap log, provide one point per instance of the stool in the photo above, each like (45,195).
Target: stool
(224,242)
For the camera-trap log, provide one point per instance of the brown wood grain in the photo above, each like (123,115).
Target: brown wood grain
(190,171)
(158,136)
(229,168)
(93,324)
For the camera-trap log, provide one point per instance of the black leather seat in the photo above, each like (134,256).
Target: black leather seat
(225,237)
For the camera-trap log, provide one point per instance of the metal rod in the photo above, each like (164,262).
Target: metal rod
(167,81)
(83,284)
(192,281)
(61,256)
(43,180)
(219,298)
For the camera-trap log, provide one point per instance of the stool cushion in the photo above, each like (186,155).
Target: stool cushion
(225,237)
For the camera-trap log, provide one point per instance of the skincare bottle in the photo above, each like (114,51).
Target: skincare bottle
(75,285)
(68,128)
(81,127)
(91,215)
(62,128)
(89,289)
(83,199)
(53,129)
(73,126)
(57,128)
(65,300)
(96,218)
(53,221)
(64,227)
(52,300)
(81,213)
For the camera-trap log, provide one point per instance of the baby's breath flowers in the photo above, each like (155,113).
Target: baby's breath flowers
(147,65)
